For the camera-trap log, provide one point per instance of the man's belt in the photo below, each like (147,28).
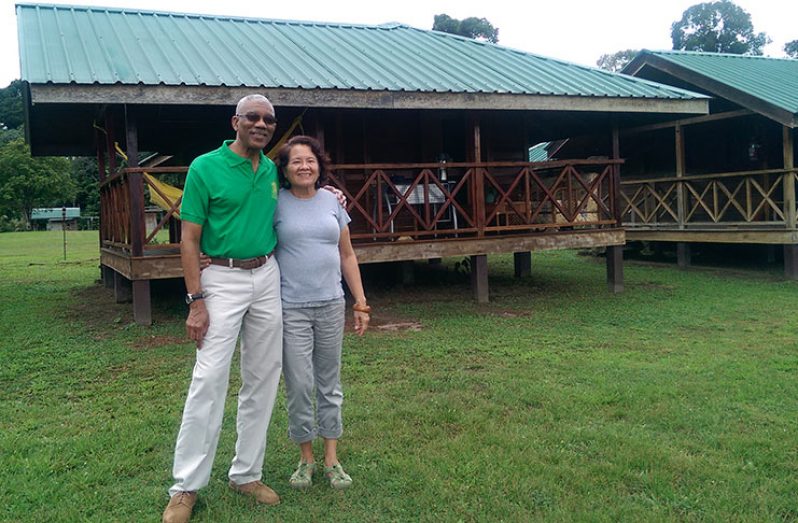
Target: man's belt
(247,263)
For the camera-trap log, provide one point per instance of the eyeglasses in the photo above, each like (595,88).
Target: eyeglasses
(255,118)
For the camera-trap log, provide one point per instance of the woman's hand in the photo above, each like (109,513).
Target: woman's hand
(361,322)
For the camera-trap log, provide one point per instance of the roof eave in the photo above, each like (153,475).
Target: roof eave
(216,95)
(713,86)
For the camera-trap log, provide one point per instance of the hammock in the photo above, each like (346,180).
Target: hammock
(165,196)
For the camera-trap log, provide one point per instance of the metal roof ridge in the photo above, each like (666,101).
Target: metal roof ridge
(717,55)
(131,10)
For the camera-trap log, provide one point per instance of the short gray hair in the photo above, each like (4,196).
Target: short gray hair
(252,98)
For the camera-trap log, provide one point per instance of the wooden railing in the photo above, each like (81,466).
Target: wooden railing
(117,213)
(389,202)
(753,199)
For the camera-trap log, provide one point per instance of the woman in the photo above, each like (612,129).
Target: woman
(313,251)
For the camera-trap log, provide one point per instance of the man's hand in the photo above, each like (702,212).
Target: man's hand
(205,261)
(197,322)
(338,194)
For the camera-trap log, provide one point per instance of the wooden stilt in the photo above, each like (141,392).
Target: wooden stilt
(479,277)
(107,274)
(406,272)
(142,306)
(615,268)
(791,261)
(523,264)
(122,288)
(770,254)
(683,255)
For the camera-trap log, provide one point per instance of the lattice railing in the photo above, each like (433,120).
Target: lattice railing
(118,212)
(753,198)
(454,200)
(389,202)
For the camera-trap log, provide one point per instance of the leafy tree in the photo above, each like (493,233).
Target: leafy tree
(8,135)
(719,27)
(472,27)
(616,61)
(791,48)
(11,113)
(27,182)
(86,181)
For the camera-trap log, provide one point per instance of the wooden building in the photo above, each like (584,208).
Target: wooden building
(429,132)
(726,177)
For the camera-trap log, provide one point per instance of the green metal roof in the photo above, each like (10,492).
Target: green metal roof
(62,44)
(756,82)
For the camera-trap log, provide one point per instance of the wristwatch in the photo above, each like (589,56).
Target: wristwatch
(191,298)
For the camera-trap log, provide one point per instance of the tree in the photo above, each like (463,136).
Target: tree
(86,181)
(719,27)
(11,113)
(791,48)
(8,135)
(27,182)
(472,27)
(616,61)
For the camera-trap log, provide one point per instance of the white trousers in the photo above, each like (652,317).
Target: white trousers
(237,300)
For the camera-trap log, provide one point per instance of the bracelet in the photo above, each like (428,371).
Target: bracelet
(361,308)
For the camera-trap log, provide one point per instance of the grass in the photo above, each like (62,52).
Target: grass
(674,401)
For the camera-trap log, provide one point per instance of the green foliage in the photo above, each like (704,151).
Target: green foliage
(27,182)
(617,61)
(86,180)
(472,27)
(9,135)
(557,401)
(717,27)
(791,48)
(11,113)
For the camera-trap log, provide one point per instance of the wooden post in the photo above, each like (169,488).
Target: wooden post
(615,268)
(475,153)
(122,288)
(406,272)
(107,276)
(681,209)
(615,252)
(683,255)
(523,264)
(790,250)
(479,277)
(791,261)
(105,272)
(142,308)
(770,254)
(789,178)
(615,187)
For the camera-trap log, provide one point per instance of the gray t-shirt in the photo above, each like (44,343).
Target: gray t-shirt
(307,247)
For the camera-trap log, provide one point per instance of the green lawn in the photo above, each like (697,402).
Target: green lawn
(674,401)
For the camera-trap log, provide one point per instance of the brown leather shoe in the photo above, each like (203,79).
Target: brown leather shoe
(257,490)
(179,508)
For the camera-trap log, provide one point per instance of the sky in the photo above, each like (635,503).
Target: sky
(578,31)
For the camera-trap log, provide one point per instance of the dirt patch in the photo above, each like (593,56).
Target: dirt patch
(381,322)
(412,326)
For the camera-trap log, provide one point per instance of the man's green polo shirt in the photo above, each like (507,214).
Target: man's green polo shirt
(234,205)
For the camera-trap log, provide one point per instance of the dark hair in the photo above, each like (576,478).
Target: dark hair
(315,148)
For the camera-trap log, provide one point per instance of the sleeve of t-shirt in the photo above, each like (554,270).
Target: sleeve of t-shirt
(343,216)
(194,207)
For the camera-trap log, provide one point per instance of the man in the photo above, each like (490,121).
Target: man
(227,212)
